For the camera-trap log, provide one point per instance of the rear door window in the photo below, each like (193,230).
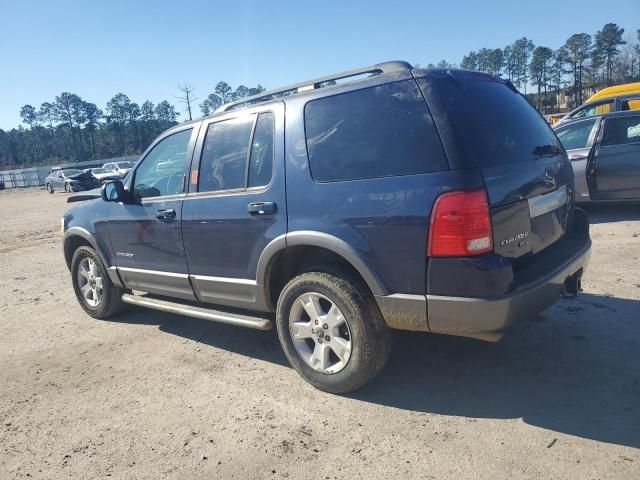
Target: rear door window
(224,158)
(238,153)
(374,132)
(596,109)
(491,123)
(621,130)
(261,157)
(630,104)
(576,135)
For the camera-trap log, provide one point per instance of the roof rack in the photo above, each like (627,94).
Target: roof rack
(377,69)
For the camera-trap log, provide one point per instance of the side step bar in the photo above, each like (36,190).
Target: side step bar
(198,312)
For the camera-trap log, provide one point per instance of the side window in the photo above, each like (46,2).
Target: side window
(591,110)
(261,157)
(224,156)
(161,171)
(630,104)
(621,130)
(576,135)
(375,132)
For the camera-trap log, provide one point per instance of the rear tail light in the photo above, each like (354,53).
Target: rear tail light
(460,225)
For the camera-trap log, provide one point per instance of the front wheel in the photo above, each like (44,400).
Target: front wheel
(332,331)
(49,188)
(67,188)
(95,291)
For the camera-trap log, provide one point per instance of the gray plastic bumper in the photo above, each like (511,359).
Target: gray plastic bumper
(487,318)
(483,318)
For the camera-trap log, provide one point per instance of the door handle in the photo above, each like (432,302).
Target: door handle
(166,214)
(261,208)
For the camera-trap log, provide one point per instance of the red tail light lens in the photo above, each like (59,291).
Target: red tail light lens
(460,225)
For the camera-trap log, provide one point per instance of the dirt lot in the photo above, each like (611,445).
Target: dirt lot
(151,395)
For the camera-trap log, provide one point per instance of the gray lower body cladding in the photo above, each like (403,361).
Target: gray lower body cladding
(487,318)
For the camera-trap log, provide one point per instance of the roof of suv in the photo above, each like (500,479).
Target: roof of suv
(371,73)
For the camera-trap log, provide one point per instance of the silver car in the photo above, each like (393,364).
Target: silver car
(605,154)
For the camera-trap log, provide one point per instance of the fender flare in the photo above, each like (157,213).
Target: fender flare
(322,240)
(86,235)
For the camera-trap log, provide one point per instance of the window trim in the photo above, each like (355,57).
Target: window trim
(195,128)
(194,190)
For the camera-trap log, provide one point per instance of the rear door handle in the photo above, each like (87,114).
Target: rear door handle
(261,208)
(166,214)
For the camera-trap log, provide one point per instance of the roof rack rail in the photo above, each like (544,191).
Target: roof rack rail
(377,69)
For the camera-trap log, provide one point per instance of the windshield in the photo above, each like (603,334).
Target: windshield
(98,170)
(124,164)
(70,171)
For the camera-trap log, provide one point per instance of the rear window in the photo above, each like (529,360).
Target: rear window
(375,132)
(491,123)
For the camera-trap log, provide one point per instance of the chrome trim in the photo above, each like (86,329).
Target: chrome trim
(153,272)
(198,312)
(541,204)
(240,281)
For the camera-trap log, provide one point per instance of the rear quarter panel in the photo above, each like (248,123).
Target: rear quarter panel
(384,219)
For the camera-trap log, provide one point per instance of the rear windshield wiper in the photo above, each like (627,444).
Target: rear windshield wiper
(542,150)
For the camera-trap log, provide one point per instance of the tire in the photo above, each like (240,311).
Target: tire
(366,331)
(49,188)
(110,301)
(67,188)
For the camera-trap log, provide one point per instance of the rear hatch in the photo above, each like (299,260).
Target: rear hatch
(486,124)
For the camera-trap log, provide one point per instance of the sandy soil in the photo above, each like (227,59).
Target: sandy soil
(151,395)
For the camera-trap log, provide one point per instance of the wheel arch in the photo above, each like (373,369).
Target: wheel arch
(291,254)
(76,237)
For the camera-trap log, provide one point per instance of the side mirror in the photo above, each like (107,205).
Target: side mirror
(113,191)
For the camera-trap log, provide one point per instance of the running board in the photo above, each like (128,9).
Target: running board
(258,323)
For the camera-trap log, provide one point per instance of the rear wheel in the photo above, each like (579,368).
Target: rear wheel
(95,291)
(67,187)
(332,331)
(49,188)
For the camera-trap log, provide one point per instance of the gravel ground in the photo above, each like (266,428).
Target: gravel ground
(152,395)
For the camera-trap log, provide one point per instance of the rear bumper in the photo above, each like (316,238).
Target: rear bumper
(487,318)
(539,286)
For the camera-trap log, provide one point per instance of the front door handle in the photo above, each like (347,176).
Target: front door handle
(166,214)
(261,208)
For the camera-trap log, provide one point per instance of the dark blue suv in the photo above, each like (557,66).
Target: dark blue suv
(381,198)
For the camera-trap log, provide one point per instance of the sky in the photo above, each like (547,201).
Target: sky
(144,49)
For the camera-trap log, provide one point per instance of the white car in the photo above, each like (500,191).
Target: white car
(104,175)
(118,167)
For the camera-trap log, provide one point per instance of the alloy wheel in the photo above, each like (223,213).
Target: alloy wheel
(90,282)
(320,333)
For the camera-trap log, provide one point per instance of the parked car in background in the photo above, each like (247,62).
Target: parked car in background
(612,99)
(424,200)
(118,167)
(605,154)
(105,175)
(71,180)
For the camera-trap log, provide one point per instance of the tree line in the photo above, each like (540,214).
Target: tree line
(70,129)
(584,63)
